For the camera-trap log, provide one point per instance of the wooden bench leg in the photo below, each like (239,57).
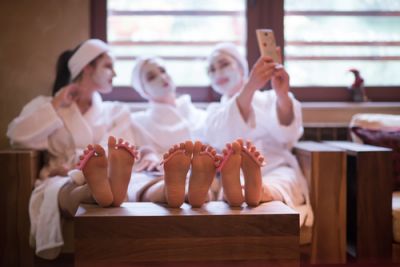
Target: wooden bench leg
(324,168)
(369,178)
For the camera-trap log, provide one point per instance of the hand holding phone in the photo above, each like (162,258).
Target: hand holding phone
(267,44)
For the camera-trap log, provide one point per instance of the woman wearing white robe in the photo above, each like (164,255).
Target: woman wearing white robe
(168,120)
(271,119)
(64,125)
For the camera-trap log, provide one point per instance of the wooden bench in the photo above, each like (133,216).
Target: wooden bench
(148,233)
(20,170)
(369,201)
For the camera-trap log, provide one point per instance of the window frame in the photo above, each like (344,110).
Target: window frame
(260,14)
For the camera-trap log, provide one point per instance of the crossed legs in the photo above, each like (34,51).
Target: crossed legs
(107,178)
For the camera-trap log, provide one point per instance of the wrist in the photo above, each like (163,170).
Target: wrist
(282,94)
(283,99)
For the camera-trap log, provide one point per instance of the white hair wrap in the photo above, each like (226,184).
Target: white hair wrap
(231,50)
(88,51)
(137,82)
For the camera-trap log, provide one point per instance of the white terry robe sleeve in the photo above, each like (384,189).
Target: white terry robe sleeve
(224,123)
(33,126)
(195,117)
(287,135)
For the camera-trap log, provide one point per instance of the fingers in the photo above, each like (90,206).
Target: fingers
(67,95)
(261,61)
(264,62)
(73,94)
(281,74)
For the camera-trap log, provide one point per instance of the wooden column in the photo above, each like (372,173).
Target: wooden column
(325,170)
(369,178)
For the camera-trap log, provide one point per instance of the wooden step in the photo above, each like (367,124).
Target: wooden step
(144,234)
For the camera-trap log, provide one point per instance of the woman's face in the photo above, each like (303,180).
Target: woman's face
(104,73)
(225,74)
(156,81)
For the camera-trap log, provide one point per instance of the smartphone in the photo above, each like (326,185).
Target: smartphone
(267,44)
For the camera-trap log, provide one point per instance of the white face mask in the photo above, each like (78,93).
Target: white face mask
(104,74)
(225,74)
(157,83)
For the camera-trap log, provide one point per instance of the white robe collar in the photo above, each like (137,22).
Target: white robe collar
(166,113)
(79,124)
(166,124)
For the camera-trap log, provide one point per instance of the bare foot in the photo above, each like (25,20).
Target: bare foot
(230,174)
(176,166)
(121,157)
(93,164)
(251,167)
(204,167)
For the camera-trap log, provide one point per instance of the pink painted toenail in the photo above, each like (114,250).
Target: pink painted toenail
(165,160)
(127,148)
(84,159)
(224,159)
(253,157)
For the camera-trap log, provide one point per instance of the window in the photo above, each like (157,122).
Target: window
(176,30)
(324,39)
(321,40)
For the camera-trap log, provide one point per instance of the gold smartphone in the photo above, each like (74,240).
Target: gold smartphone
(267,44)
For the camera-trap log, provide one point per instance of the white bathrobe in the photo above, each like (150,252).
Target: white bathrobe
(160,127)
(64,133)
(165,125)
(282,174)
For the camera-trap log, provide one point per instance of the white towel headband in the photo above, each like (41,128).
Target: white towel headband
(137,83)
(231,50)
(88,51)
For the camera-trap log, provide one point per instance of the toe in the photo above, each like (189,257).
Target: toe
(111,141)
(99,150)
(236,147)
(249,143)
(197,148)
(240,141)
(189,148)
